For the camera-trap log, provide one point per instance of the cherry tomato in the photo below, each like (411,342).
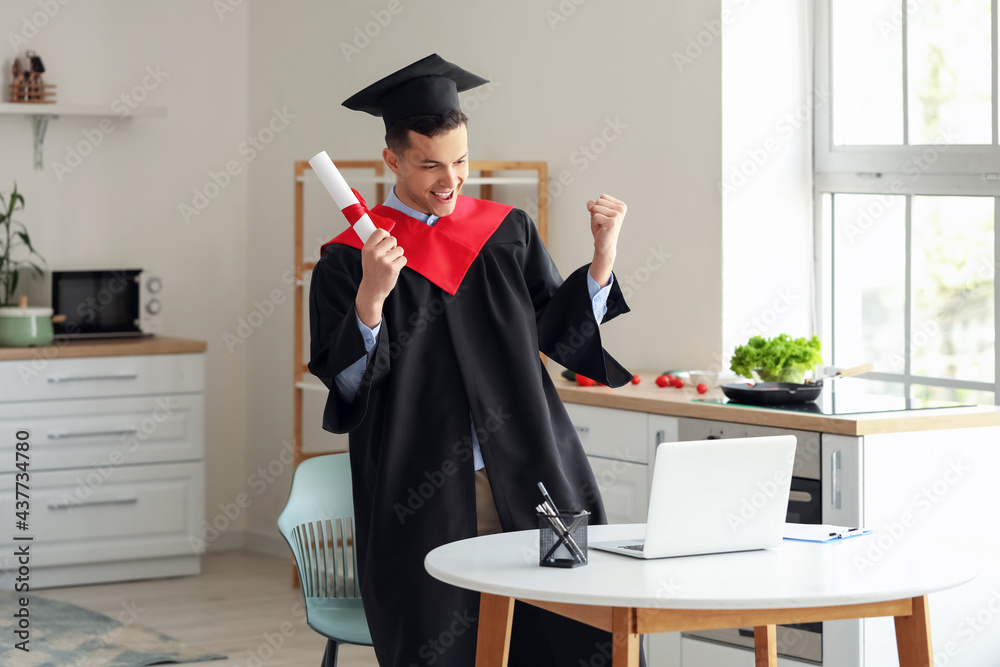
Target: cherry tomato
(677,382)
(670,378)
(702,388)
(636,379)
(584,381)
(662,381)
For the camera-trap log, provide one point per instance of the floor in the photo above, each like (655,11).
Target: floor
(242,605)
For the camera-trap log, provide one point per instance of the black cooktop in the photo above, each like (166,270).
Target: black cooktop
(849,398)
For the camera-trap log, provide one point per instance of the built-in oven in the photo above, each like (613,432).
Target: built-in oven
(801,641)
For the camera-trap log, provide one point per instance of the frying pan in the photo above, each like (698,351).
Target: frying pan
(785,393)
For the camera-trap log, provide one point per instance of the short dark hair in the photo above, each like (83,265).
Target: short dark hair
(398,136)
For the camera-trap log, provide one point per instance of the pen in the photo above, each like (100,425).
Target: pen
(560,528)
(571,543)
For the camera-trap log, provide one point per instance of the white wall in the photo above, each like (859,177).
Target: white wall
(766,184)
(558,83)
(647,76)
(120,205)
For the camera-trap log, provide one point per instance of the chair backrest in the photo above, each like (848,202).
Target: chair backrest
(318,524)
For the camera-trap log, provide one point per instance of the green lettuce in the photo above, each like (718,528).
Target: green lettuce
(782,358)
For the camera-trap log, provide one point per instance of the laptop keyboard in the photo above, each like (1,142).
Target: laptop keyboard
(633,547)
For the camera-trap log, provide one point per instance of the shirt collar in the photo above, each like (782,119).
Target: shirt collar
(392,201)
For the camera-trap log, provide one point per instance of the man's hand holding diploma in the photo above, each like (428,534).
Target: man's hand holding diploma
(381,261)
(606,217)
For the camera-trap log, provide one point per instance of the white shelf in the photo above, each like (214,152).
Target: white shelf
(311,385)
(96,110)
(42,113)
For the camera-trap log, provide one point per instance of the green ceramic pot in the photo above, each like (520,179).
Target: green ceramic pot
(25,327)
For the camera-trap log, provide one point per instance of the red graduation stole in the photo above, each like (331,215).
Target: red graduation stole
(442,253)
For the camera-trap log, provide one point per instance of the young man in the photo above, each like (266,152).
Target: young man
(428,337)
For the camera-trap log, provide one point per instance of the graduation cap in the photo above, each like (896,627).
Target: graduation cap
(427,87)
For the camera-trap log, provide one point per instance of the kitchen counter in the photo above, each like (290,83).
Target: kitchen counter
(647,397)
(110,347)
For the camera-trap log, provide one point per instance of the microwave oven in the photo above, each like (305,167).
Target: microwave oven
(106,303)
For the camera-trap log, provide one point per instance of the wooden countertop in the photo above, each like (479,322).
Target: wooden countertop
(114,347)
(647,397)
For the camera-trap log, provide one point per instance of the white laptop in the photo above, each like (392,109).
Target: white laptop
(715,496)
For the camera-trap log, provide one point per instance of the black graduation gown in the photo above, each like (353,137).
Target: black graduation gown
(439,358)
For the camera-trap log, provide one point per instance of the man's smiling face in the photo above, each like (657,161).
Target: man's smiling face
(431,172)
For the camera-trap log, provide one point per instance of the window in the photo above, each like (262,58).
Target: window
(907,186)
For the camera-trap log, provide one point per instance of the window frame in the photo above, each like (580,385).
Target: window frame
(906,170)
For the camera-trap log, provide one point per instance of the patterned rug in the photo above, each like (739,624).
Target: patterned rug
(64,635)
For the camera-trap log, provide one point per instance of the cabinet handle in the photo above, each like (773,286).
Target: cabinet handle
(114,501)
(800,497)
(89,434)
(582,429)
(56,379)
(835,479)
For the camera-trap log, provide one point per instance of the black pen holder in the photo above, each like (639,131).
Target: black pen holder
(562,539)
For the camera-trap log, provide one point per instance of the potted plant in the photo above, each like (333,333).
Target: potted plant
(19,326)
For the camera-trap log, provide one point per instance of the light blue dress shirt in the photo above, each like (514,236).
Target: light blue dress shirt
(349,379)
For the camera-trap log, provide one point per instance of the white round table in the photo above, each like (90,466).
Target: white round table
(797,582)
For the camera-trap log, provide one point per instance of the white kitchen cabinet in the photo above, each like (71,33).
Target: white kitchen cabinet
(938,487)
(611,434)
(117,470)
(619,443)
(912,475)
(624,488)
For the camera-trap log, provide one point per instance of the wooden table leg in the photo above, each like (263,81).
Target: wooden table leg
(496,614)
(624,638)
(765,646)
(913,636)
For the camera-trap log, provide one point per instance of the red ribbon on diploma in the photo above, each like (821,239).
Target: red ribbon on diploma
(354,212)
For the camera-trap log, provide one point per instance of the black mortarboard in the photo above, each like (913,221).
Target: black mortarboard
(428,87)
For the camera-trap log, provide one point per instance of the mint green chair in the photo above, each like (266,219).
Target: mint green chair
(318,524)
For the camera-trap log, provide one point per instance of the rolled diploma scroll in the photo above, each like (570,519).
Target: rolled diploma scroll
(335,184)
